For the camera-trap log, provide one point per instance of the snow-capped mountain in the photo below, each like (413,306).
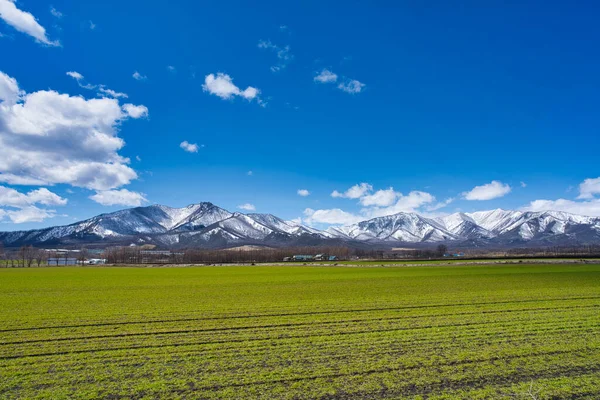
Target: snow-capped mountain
(496,227)
(194,225)
(206,225)
(402,227)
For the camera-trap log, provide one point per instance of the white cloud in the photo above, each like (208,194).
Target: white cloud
(588,207)
(589,188)
(354,192)
(9,89)
(284,57)
(75,75)
(28,214)
(586,203)
(381,203)
(222,85)
(523,184)
(404,203)
(91,25)
(247,207)
(189,147)
(121,197)
(55,12)
(81,80)
(48,138)
(489,191)
(103,91)
(303,192)
(111,93)
(139,77)
(381,198)
(138,158)
(325,76)
(351,86)
(13,198)
(296,221)
(441,204)
(134,111)
(171,68)
(333,216)
(25,204)
(24,22)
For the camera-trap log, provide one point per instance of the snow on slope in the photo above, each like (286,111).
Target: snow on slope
(404,227)
(207,222)
(496,221)
(201,215)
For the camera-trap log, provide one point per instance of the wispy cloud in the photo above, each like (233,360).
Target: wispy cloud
(351,86)
(284,56)
(325,76)
(189,147)
(139,77)
(247,207)
(102,90)
(55,12)
(111,93)
(303,192)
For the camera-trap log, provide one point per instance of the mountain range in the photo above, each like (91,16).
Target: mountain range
(206,225)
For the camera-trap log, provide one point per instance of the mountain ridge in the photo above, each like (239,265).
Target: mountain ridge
(207,225)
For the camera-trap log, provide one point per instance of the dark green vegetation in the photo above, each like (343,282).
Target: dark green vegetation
(301,332)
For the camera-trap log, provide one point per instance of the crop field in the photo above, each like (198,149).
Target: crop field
(299,332)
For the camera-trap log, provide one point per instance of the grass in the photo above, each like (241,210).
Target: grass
(294,332)
(454,260)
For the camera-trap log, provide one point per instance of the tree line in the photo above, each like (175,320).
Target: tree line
(136,255)
(29,256)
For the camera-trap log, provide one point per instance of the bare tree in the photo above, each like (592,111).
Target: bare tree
(83,255)
(27,254)
(442,249)
(22,252)
(40,256)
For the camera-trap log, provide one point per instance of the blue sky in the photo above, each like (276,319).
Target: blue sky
(457,107)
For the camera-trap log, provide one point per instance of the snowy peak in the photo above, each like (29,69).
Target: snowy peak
(205,224)
(403,227)
(497,220)
(198,216)
(499,227)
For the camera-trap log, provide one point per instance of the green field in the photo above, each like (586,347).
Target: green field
(296,332)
